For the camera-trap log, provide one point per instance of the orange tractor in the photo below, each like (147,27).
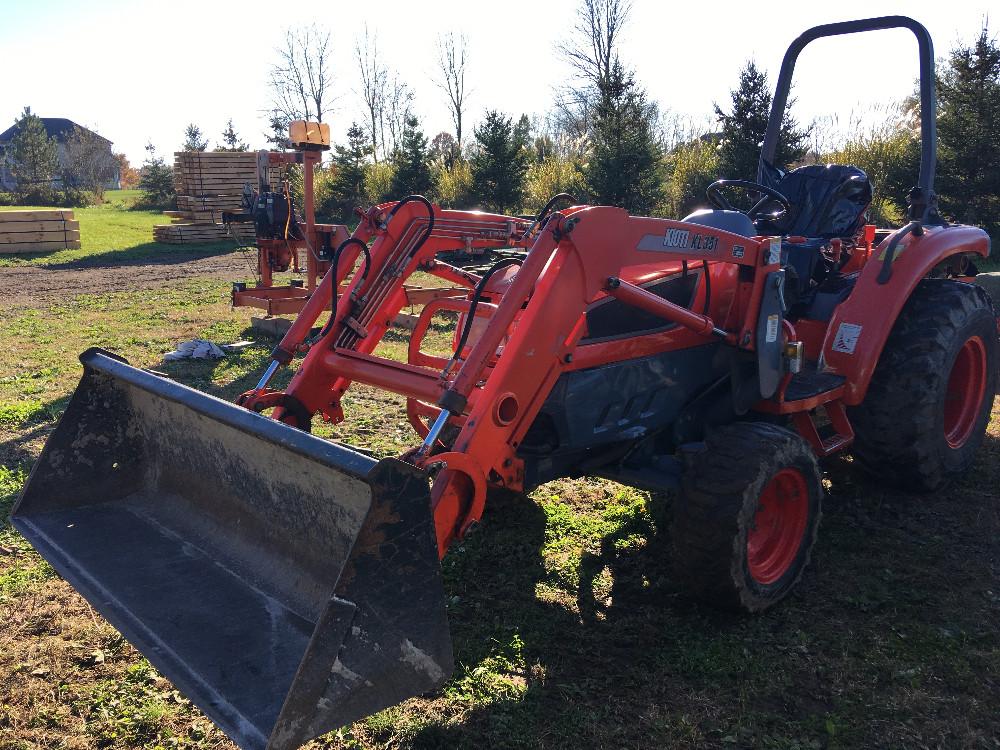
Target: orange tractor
(289,585)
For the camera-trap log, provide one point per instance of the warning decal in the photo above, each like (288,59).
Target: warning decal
(772,329)
(846,340)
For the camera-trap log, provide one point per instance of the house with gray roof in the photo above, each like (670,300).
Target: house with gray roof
(58,128)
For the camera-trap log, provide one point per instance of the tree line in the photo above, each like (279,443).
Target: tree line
(605,141)
(88,164)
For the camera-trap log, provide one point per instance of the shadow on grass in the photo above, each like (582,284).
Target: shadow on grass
(148,253)
(16,451)
(596,668)
(895,623)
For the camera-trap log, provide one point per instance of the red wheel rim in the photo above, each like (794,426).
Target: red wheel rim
(964,396)
(779,525)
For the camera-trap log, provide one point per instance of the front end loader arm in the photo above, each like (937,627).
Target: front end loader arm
(567,268)
(529,341)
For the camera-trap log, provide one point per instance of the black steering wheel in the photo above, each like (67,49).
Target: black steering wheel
(714,194)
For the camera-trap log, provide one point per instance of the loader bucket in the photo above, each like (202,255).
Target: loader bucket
(287,585)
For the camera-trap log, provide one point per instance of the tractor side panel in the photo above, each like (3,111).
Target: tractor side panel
(603,407)
(861,325)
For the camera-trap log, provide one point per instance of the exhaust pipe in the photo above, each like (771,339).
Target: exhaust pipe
(286,585)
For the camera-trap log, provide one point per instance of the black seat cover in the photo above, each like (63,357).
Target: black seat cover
(828,200)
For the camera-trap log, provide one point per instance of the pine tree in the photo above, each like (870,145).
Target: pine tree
(744,127)
(278,135)
(33,156)
(156,180)
(624,164)
(193,140)
(969,134)
(230,140)
(348,188)
(499,163)
(412,170)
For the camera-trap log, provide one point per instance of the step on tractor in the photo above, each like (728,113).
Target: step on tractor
(289,585)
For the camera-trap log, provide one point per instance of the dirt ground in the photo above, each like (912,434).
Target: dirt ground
(569,625)
(33,285)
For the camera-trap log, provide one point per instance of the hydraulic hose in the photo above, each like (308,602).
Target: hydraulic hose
(430,217)
(476,296)
(552,202)
(538,221)
(334,283)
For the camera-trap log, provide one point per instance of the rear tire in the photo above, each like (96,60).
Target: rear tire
(926,410)
(747,516)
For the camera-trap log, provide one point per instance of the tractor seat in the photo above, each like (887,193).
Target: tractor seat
(736,222)
(827,201)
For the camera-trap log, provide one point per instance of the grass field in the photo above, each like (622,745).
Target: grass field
(568,623)
(111,232)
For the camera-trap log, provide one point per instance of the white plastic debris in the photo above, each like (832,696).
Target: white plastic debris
(195,349)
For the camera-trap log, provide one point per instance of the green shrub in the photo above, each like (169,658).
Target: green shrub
(552,175)
(378,183)
(691,167)
(889,154)
(453,185)
(46,195)
(324,193)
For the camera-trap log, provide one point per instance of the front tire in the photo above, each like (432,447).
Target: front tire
(747,516)
(929,401)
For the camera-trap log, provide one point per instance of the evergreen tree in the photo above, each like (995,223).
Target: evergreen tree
(623,168)
(33,156)
(230,140)
(499,163)
(156,180)
(969,134)
(348,188)
(278,135)
(412,170)
(743,129)
(193,140)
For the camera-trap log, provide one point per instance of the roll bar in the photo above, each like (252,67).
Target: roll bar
(923,201)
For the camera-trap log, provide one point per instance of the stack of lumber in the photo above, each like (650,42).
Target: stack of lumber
(206,185)
(38,231)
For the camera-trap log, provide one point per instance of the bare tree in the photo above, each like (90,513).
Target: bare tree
(399,108)
(374,87)
(301,79)
(452,59)
(592,48)
(592,52)
(90,164)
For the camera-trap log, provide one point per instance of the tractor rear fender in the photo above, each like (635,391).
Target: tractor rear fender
(861,324)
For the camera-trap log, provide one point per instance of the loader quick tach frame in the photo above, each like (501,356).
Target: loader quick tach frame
(295,586)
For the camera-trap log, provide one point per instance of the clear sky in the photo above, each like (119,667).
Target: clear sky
(136,71)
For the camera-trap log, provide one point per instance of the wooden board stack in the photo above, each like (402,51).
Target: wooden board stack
(38,231)
(208,183)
